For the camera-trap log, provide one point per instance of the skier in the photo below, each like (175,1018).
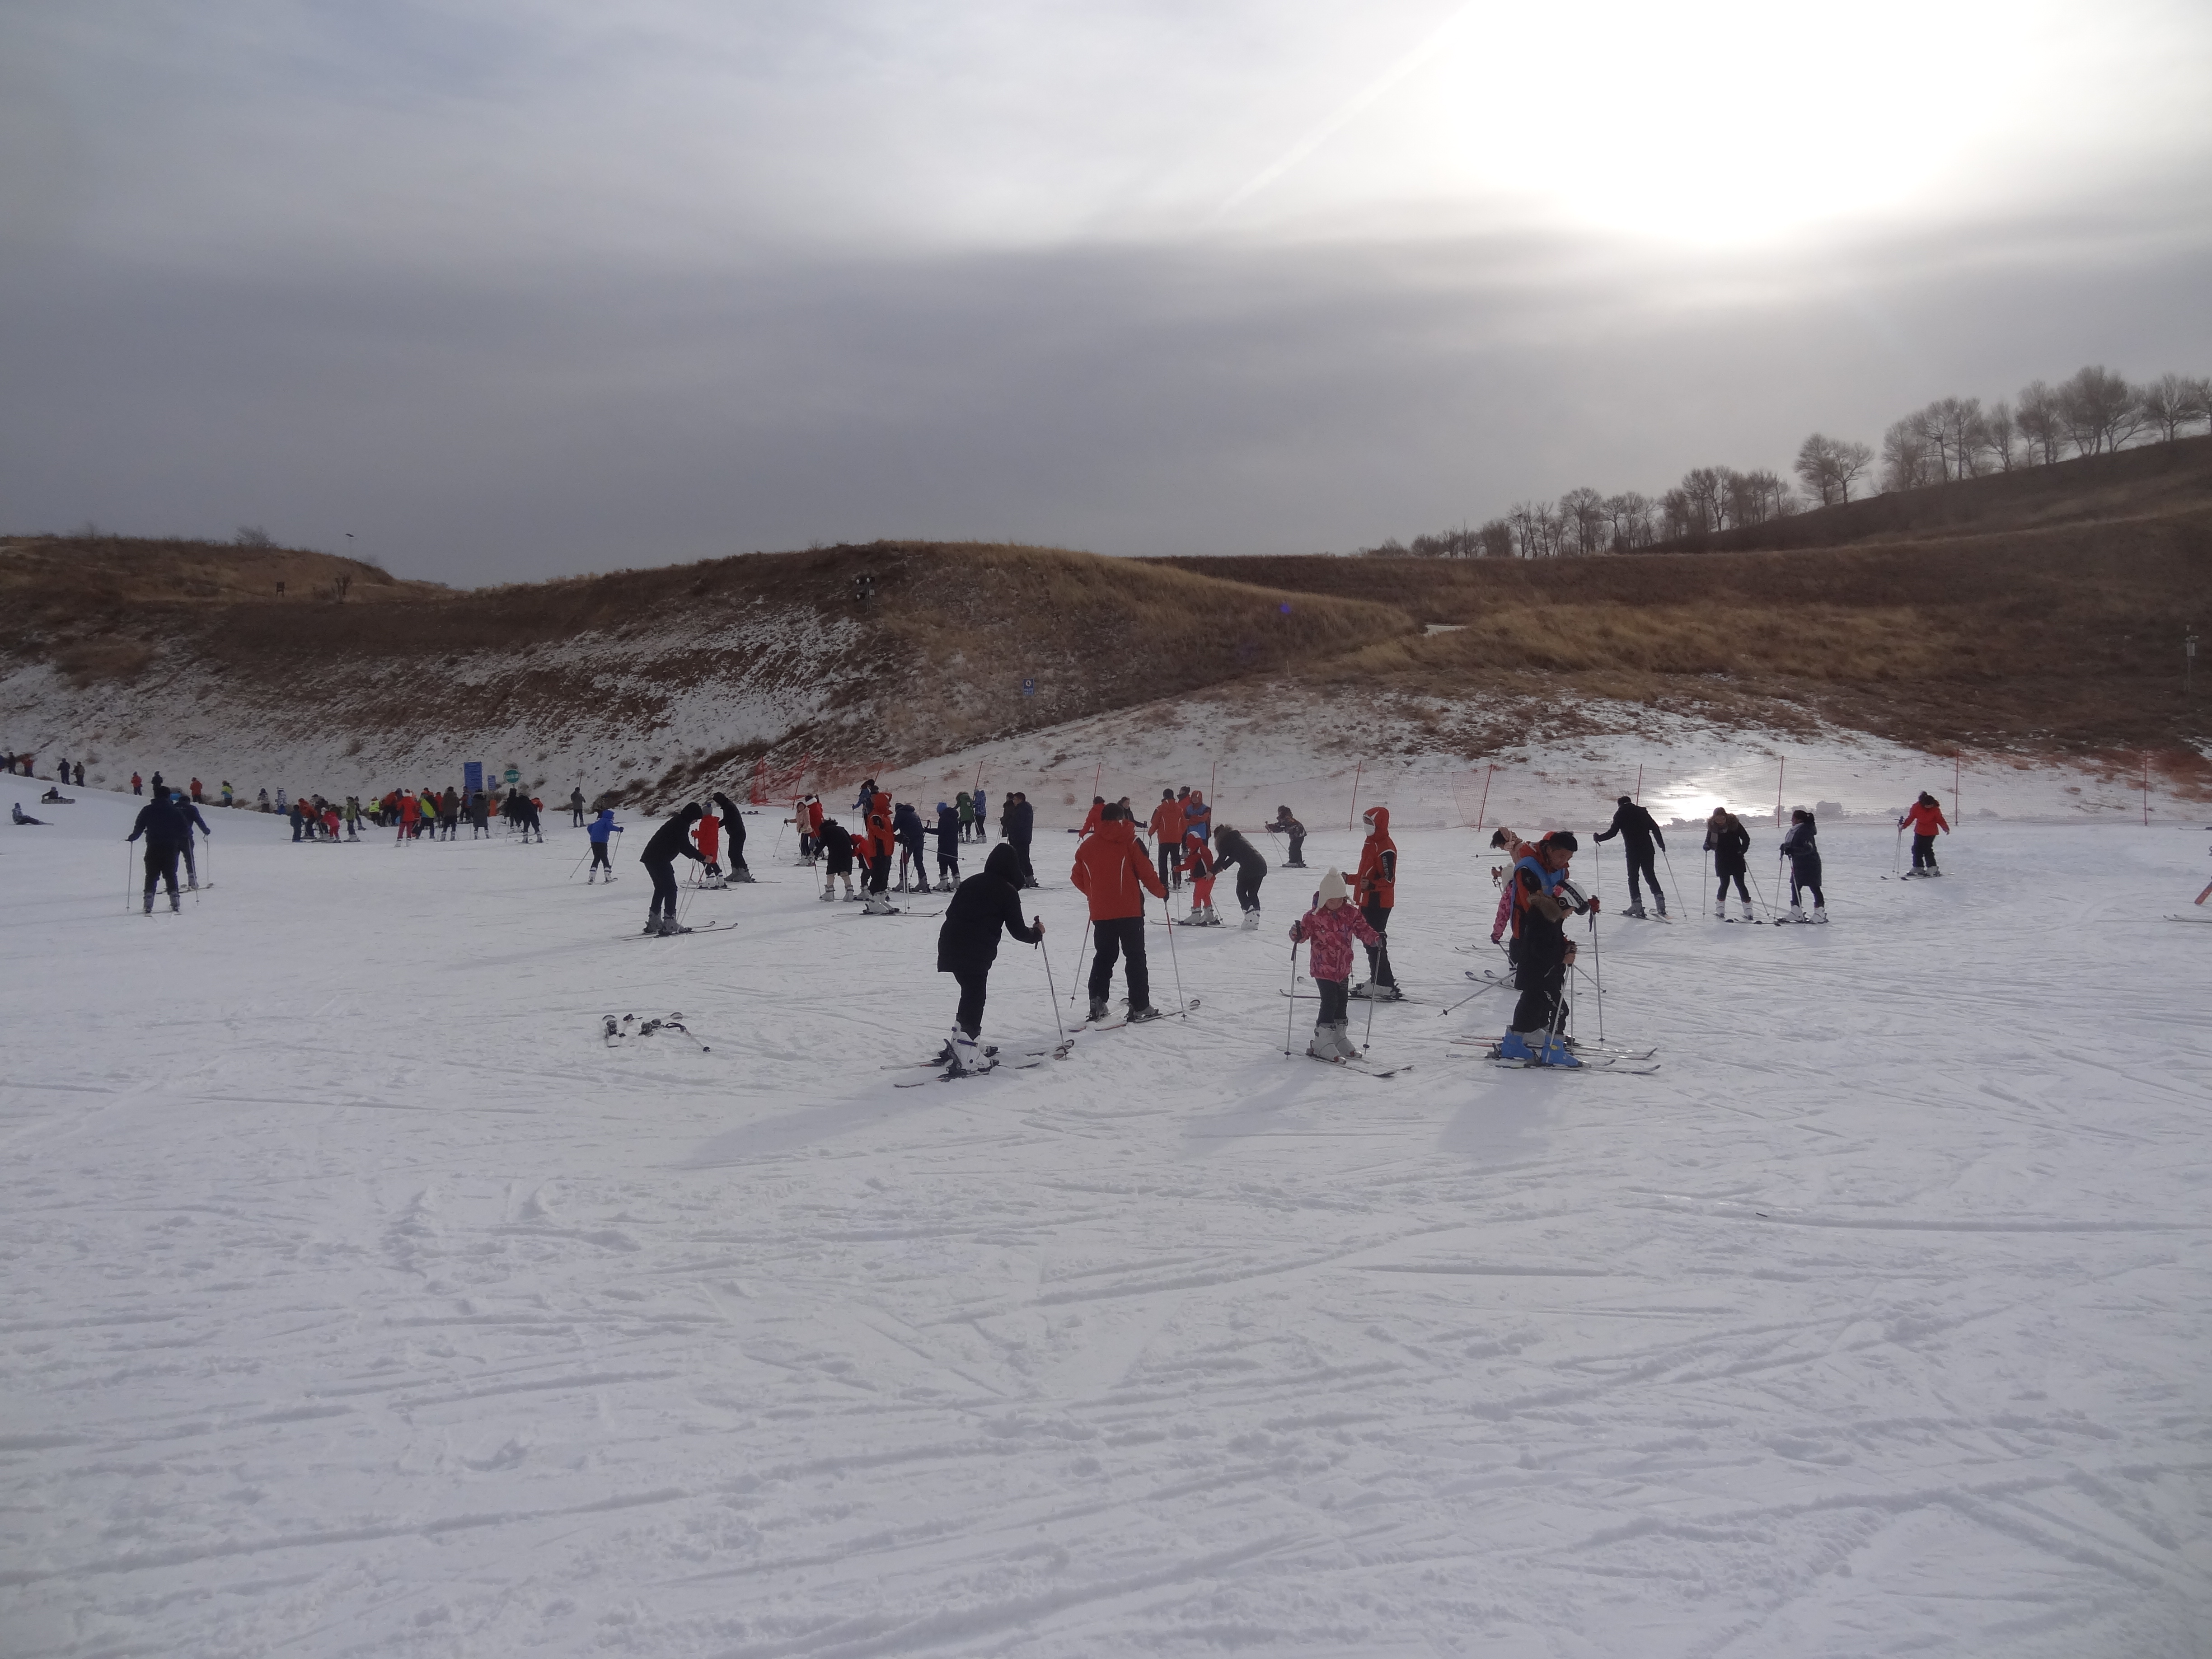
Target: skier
(1376,887)
(949,831)
(982,819)
(968,943)
(80,774)
(526,812)
(1167,835)
(449,814)
(479,815)
(1198,865)
(1327,931)
(1509,914)
(733,832)
(163,826)
(1091,818)
(837,863)
(906,824)
(230,798)
(813,826)
(409,813)
(1112,872)
(576,807)
(1637,831)
(1804,853)
(881,840)
(707,835)
(964,804)
(660,861)
(195,791)
(1546,954)
(1284,824)
(1198,818)
(1020,825)
(188,815)
(264,801)
(138,784)
(1926,817)
(22,817)
(1232,850)
(1728,841)
(53,797)
(601,830)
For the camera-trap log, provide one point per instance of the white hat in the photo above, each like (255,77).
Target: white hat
(1332,886)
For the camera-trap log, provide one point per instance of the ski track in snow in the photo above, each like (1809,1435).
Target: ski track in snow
(360,1299)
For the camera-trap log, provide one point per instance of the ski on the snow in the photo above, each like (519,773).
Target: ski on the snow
(703,927)
(1163,1013)
(1314,996)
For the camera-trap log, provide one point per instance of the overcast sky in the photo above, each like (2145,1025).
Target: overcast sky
(508,290)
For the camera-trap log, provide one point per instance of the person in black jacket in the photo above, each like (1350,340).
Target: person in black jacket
(968,943)
(1728,841)
(660,861)
(1803,847)
(948,847)
(1232,848)
(733,834)
(1637,831)
(907,830)
(1018,823)
(163,826)
(1284,824)
(837,843)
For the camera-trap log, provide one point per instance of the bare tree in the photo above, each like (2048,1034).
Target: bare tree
(1679,514)
(1907,459)
(2099,410)
(252,535)
(1706,487)
(2041,429)
(1999,435)
(1495,537)
(1630,515)
(1829,466)
(2173,402)
(1583,514)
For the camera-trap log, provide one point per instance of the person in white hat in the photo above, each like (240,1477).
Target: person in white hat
(1327,931)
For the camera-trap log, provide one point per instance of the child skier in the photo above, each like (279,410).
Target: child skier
(1926,817)
(1728,841)
(1376,888)
(1090,819)
(707,836)
(1198,865)
(1327,931)
(733,834)
(1804,855)
(601,830)
(906,823)
(1546,954)
(968,943)
(1284,824)
(948,832)
(1232,851)
(1112,872)
(1198,817)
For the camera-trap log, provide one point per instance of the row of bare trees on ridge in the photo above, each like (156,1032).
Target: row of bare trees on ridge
(2091,413)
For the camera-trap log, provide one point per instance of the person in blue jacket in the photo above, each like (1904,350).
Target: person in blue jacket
(602,830)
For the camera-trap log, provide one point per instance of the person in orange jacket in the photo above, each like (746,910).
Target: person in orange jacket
(881,844)
(1926,817)
(1198,865)
(1167,834)
(409,812)
(1090,819)
(1376,890)
(706,835)
(1112,872)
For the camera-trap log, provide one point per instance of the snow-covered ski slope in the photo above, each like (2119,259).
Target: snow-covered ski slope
(359,1298)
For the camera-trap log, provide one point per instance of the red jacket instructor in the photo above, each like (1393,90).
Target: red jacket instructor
(1112,871)
(1376,890)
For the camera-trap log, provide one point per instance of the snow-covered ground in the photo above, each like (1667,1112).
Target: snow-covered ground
(359,1298)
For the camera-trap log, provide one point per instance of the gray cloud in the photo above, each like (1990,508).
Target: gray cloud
(506,301)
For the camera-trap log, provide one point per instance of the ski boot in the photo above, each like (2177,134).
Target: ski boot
(1797,913)
(1747,915)
(1635,910)
(876,905)
(1821,914)
(829,894)
(1140,1015)
(1098,1011)
(652,925)
(741,874)
(1251,921)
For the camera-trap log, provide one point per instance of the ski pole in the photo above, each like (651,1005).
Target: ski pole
(1897,851)
(1291,1002)
(579,863)
(1708,881)
(1079,949)
(1054,990)
(126,878)
(1492,986)
(1671,881)
(1764,905)
(1183,1002)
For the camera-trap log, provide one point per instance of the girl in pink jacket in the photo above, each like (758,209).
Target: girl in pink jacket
(1327,931)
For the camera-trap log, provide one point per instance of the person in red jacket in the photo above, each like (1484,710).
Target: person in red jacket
(1198,865)
(881,844)
(1167,834)
(1926,817)
(1112,872)
(409,811)
(1376,889)
(1090,819)
(708,836)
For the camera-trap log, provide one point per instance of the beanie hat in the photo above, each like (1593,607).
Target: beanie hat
(1564,840)
(1332,886)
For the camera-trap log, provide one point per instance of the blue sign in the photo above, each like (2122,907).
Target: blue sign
(1029,687)
(472,776)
